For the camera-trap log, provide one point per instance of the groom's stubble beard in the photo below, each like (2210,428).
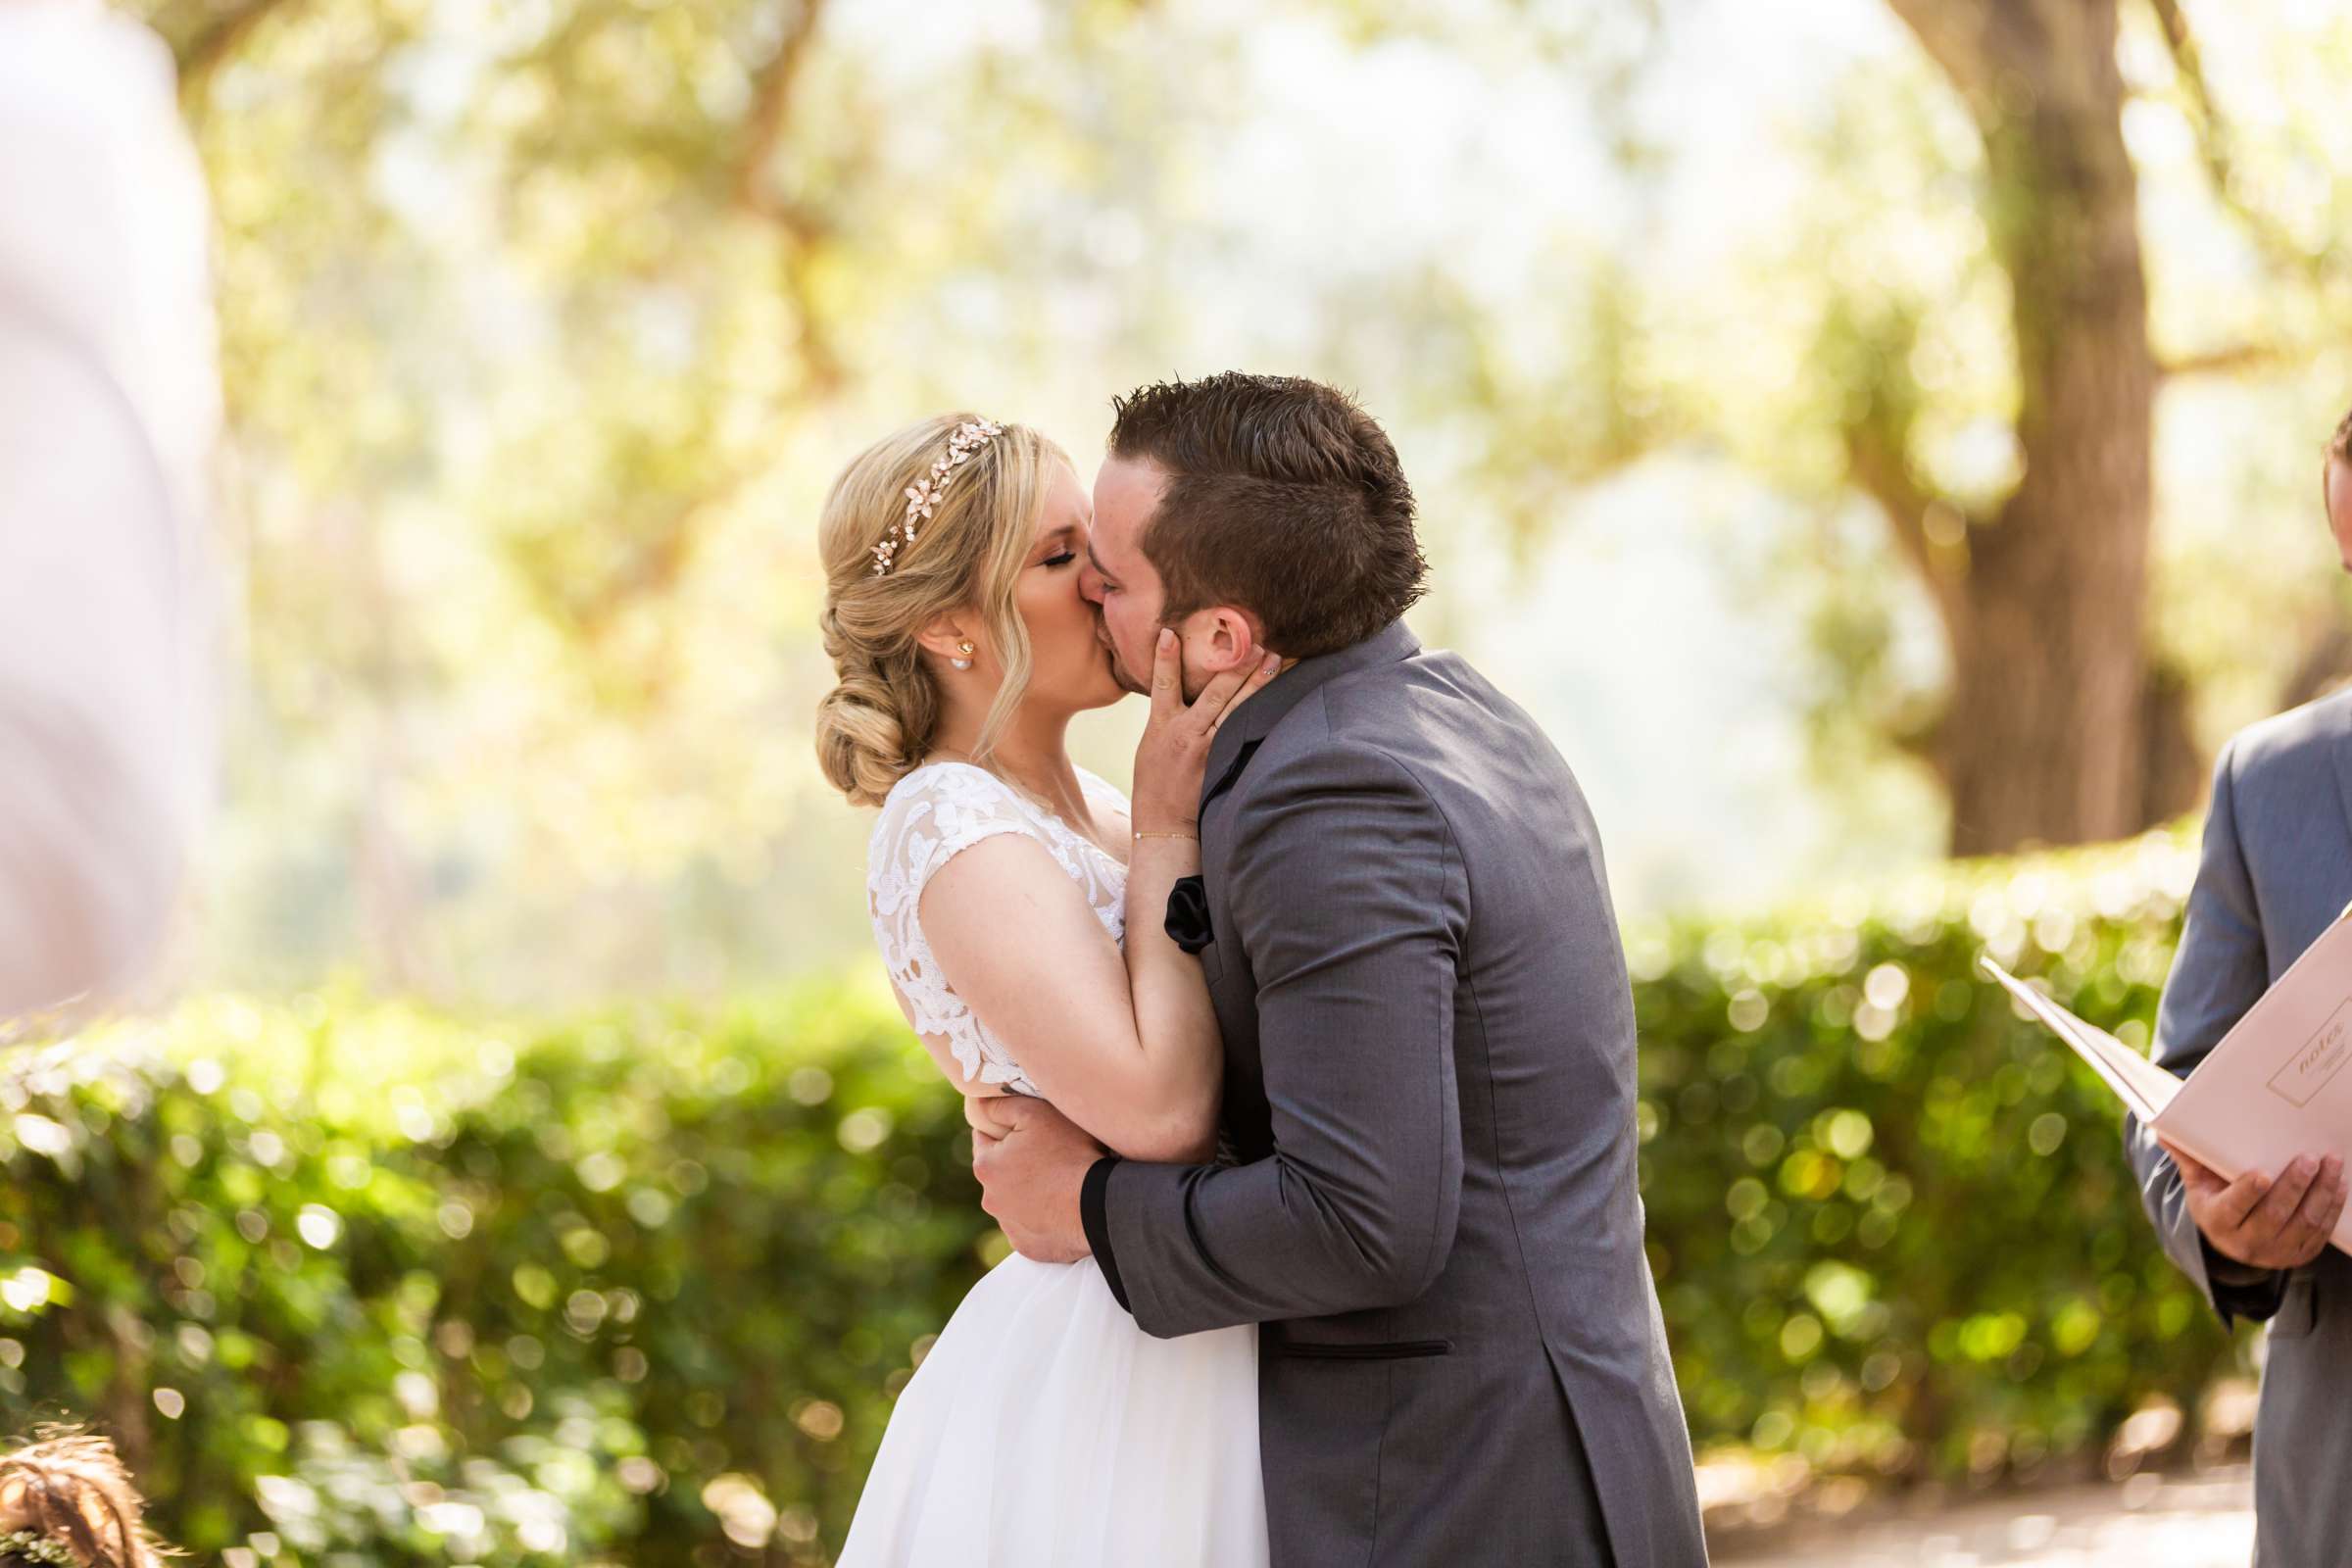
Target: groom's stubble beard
(1120,674)
(1127,682)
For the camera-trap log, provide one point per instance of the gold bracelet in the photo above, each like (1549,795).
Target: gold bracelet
(1194,836)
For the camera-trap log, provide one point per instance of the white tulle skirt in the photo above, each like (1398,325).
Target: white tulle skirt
(1045,1430)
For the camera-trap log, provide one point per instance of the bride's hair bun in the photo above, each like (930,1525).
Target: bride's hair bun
(864,724)
(876,726)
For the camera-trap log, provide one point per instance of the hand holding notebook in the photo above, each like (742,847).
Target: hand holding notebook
(2267,1223)
(2265,1122)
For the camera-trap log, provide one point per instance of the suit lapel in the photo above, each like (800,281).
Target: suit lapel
(1232,774)
(1233,988)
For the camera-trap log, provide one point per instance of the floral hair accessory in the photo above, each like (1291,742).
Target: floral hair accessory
(923,496)
(30,1548)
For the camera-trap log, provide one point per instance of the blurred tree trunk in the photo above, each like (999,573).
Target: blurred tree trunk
(2060,729)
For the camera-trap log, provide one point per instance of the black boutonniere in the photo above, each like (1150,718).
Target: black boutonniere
(1188,915)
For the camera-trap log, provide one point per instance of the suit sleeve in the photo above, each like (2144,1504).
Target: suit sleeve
(2221,969)
(1351,907)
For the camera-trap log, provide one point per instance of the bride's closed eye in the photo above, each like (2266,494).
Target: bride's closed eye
(1058,561)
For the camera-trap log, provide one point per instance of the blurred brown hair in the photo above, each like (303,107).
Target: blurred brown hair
(73,1488)
(1283,498)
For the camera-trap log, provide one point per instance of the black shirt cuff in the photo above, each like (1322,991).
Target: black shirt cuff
(1091,1196)
(2240,1290)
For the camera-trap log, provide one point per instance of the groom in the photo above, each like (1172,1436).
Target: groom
(1428,1029)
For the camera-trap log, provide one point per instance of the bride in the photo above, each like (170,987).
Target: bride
(1044,1428)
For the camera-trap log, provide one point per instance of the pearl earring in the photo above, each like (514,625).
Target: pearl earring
(966,663)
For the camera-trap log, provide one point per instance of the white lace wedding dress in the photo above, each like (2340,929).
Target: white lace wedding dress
(1045,1430)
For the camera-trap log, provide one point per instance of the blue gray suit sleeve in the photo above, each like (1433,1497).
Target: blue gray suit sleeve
(2221,969)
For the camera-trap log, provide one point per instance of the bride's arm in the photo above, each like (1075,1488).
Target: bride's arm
(1124,1045)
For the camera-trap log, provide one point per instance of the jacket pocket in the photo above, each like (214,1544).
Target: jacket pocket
(1391,1351)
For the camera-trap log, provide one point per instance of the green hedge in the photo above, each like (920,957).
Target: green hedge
(370,1285)
(360,1284)
(1891,1219)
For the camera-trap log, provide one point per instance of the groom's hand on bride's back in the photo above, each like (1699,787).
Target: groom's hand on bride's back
(1032,1162)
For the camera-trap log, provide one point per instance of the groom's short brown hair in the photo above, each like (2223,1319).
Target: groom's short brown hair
(1283,498)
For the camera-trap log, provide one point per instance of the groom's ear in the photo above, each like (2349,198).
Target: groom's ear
(1228,638)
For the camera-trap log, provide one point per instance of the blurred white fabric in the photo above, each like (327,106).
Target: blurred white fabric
(110,415)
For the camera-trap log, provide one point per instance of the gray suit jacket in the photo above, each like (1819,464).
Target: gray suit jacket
(2276,870)
(1429,1038)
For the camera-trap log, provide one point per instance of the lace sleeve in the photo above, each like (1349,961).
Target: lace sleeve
(935,813)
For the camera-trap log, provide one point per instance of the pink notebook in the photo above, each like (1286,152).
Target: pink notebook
(2276,1087)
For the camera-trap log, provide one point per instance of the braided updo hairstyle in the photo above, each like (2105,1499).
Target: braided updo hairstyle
(876,726)
(69,1494)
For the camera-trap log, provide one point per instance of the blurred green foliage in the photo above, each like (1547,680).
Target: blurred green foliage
(361,1284)
(1891,1220)
(358,1285)
(546,323)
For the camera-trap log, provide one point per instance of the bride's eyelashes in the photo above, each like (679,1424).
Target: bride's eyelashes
(1060,561)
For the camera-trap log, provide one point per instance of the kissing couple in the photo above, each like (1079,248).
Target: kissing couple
(1302,1082)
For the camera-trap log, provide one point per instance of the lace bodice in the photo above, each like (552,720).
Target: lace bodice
(932,815)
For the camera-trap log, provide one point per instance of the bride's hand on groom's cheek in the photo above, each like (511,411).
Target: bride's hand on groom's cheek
(1172,757)
(986,1129)
(1032,1162)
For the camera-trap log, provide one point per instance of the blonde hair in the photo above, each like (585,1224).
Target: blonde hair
(876,726)
(72,1489)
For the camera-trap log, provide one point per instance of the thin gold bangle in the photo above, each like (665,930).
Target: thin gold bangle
(1194,836)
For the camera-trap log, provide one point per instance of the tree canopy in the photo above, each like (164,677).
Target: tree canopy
(545,324)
